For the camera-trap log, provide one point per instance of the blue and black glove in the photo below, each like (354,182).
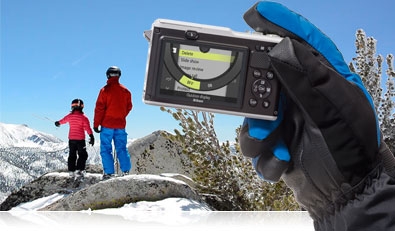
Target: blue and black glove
(326,143)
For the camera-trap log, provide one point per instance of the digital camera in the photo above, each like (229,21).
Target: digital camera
(210,68)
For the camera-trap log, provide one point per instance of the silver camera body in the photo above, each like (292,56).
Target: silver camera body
(210,68)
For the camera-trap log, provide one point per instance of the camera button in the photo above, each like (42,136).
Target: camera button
(261,88)
(270,75)
(257,73)
(260,47)
(253,102)
(259,60)
(192,35)
(266,104)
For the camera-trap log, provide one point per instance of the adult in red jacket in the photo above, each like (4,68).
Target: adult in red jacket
(112,106)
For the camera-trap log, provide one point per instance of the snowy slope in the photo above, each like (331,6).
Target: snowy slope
(26,154)
(20,135)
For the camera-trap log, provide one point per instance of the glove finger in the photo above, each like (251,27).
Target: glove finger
(337,107)
(270,166)
(257,136)
(270,156)
(256,139)
(274,18)
(261,140)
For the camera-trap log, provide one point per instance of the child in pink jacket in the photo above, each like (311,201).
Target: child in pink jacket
(79,124)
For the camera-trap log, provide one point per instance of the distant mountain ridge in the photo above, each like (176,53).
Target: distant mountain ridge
(26,154)
(20,135)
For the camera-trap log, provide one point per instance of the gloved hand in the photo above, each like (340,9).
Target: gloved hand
(91,139)
(57,124)
(326,143)
(96,129)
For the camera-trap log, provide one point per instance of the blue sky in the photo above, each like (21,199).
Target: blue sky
(55,51)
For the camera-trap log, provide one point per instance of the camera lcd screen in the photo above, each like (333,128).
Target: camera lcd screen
(202,74)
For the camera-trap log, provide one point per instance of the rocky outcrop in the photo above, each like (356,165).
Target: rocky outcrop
(116,192)
(156,154)
(93,193)
(46,185)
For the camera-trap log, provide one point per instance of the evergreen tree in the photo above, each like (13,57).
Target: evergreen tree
(369,66)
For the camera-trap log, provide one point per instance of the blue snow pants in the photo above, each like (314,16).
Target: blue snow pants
(107,135)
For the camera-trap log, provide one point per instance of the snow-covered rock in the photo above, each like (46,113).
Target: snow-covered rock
(46,185)
(94,194)
(116,192)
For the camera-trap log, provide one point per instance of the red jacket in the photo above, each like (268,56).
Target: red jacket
(112,105)
(78,123)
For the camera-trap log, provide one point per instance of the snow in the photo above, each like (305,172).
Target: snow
(167,214)
(39,203)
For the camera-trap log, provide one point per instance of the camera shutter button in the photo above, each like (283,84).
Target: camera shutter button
(192,35)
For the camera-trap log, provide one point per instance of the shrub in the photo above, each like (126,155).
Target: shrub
(221,170)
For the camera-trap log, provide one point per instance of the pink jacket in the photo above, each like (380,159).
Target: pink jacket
(78,123)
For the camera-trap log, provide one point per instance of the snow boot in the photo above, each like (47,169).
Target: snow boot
(107,176)
(125,173)
(79,175)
